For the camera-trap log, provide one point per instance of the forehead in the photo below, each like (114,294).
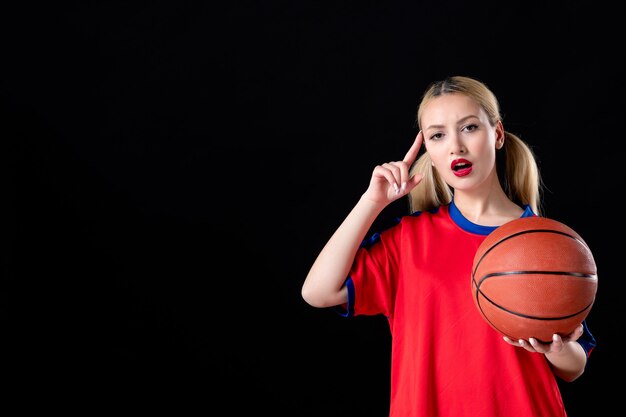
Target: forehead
(449,108)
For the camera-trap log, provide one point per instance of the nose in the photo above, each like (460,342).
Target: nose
(456,145)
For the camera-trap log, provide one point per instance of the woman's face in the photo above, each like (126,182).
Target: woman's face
(460,141)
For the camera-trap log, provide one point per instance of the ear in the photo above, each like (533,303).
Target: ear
(499,135)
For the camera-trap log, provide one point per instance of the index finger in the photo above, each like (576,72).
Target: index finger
(411,155)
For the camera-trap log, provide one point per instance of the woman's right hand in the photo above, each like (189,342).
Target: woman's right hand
(390,181)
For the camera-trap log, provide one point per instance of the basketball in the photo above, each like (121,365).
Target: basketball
(533,277)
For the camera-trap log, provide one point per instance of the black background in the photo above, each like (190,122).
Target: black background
(171,169)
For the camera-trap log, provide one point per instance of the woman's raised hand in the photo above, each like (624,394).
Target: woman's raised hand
(390,181)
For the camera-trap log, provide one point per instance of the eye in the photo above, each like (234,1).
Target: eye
(436,136)
(471,128)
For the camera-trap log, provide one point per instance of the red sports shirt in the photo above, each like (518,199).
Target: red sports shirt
(445,360)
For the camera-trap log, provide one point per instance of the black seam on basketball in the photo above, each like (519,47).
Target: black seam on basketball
(521,233)
(503,273)
(477,284)
(525,315)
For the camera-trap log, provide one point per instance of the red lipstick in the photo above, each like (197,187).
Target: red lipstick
(461,167)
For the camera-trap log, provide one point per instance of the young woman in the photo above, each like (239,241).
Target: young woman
(473,177)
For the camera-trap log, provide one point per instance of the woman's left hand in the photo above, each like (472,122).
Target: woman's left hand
(534,345)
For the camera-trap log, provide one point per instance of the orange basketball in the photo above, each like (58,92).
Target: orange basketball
(533,277)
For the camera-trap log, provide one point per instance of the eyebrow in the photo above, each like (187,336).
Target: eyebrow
(460,121)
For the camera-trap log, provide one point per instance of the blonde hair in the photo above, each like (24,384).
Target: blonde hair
(515,162)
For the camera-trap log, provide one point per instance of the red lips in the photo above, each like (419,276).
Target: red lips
(461,167)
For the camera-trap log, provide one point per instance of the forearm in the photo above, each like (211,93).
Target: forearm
(569,363)
(324,284)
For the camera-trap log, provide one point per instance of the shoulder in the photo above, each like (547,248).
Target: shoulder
(401,225)
(432,216)
(427,218)
(438,211)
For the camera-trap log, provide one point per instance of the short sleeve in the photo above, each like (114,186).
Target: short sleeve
(587,341)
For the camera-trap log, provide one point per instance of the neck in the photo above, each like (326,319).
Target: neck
(488,208)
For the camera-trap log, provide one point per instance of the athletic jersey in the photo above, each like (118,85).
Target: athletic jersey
(445,359)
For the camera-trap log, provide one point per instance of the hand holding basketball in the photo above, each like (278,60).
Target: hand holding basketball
(554,346)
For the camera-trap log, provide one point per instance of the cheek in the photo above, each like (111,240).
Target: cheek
(435,157)
(484,148)
(490,149)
